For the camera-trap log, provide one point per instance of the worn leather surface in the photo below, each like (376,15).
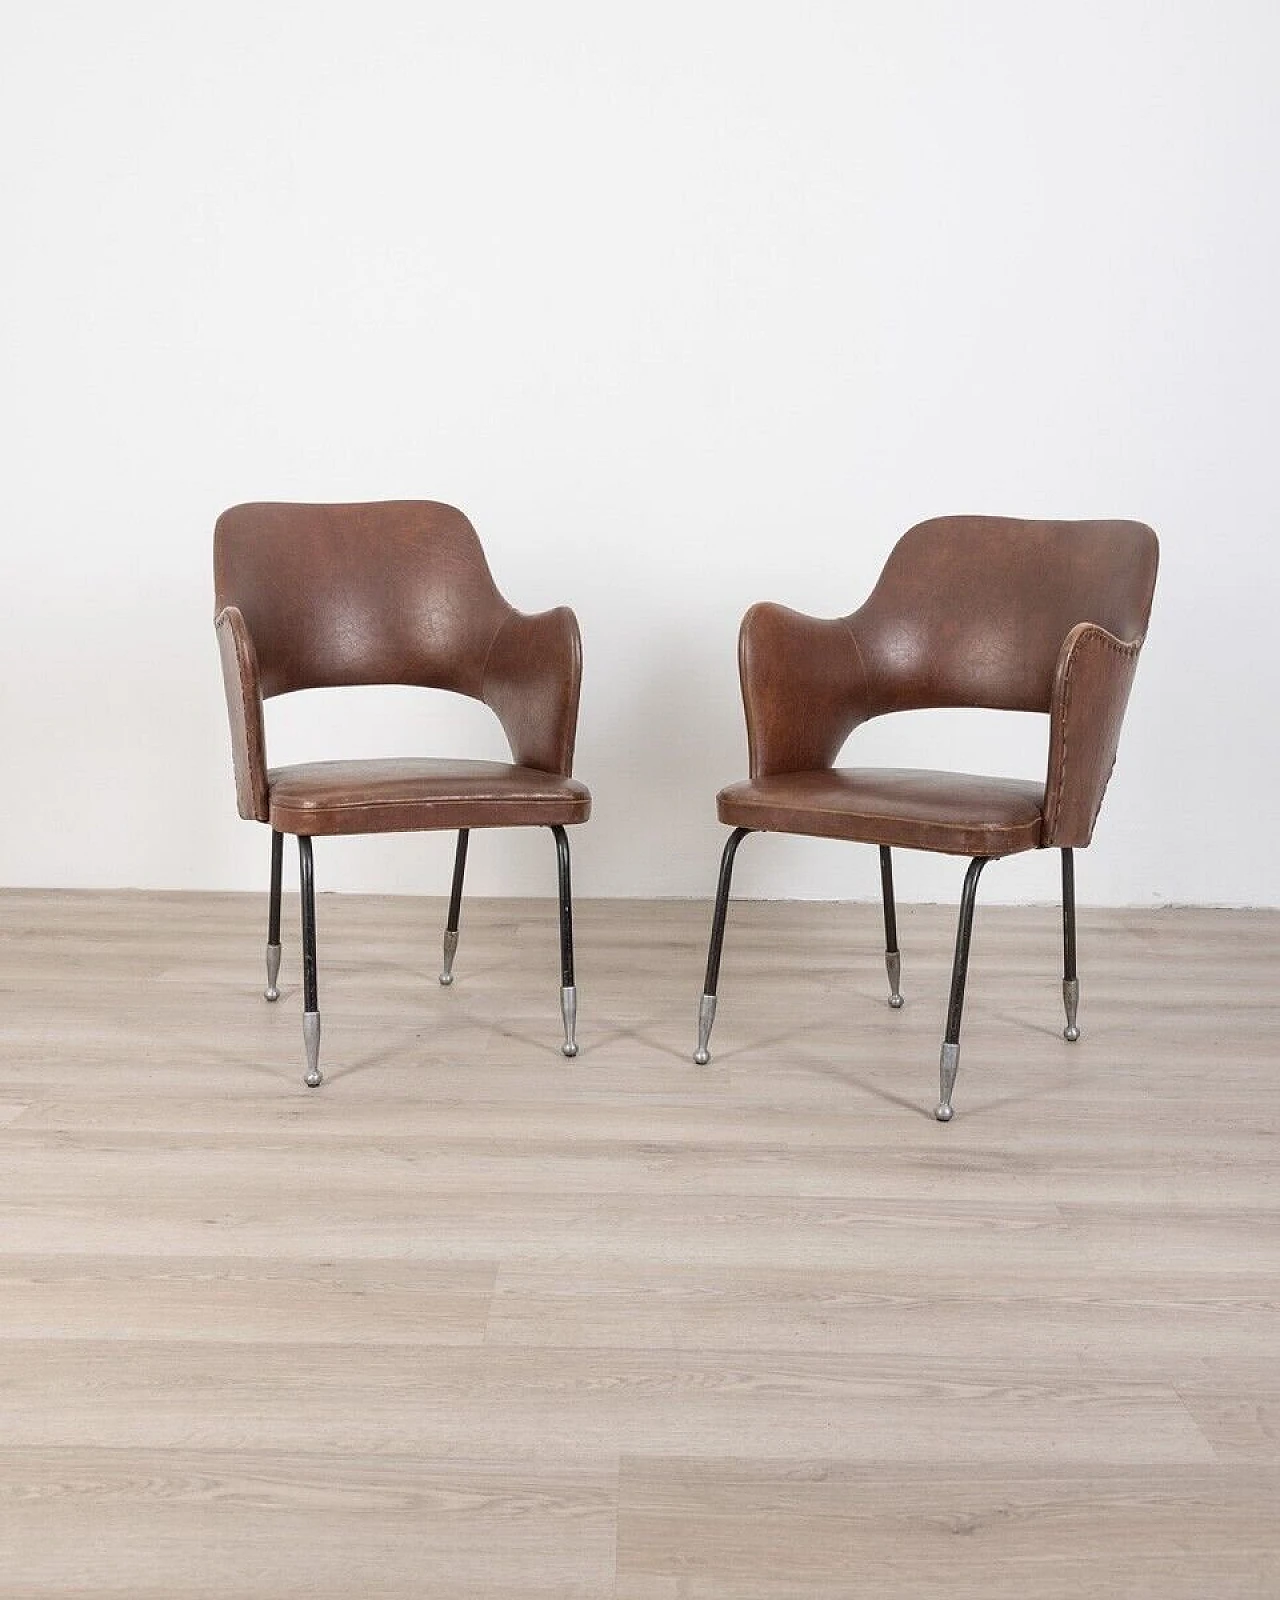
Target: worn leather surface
(530,680)
(392,592)
(953,812)
(1090,693)
(244,709)
(969,611)
(804,688)
(403,796)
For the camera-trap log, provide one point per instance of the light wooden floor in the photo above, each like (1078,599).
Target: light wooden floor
(476,1321)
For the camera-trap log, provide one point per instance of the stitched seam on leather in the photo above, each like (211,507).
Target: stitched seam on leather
(1127,652)
(254,732)
(875,816)
(1106,784)
(318,806)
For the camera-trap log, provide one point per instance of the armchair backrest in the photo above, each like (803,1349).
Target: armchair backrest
(390,592)
(974,611)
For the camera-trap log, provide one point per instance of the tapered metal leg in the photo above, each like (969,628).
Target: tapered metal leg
(569,1017)
(706,1021)
(310,991)
(1070,983)
(455,908)
(568,990)
(707,1004)
(272,991)
(948,1066)
(1071,1005)
(949,1061)
(892,959)
(311,1039)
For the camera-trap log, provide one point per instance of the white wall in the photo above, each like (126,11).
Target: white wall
(687,305)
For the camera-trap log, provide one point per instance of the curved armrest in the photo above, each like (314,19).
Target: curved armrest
(532,680)
(804,688)
(244,707)
(1090,691)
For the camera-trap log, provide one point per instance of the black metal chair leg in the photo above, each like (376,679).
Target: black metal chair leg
(310,994)
(455,908)
(892,959)
(949,1062)
(272,991)
(1070,983)
(707,1004)
(568,990)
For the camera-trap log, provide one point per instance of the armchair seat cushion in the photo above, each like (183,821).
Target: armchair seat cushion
(955,813)
(409,795)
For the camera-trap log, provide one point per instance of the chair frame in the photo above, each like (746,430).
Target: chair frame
(527,669)
(949,1061)
(310,973)
(858,687)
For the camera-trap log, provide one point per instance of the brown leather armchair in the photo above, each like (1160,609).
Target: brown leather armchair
(394,592)
(969,611)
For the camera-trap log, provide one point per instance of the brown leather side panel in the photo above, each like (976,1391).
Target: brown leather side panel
(1090,692)
(803,688)
(244,708)
(532,680)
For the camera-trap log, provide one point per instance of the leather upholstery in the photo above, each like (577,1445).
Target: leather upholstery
(993,612)
(1090,692)
(963,815)
(244,708)
(405,796)
(392,592)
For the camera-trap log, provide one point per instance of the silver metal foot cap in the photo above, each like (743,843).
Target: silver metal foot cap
(893,966)
(450,950)
(1071,1004)
(706,1021)
(948,1066)
(311,1038)
(569,1012)
(272,992)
